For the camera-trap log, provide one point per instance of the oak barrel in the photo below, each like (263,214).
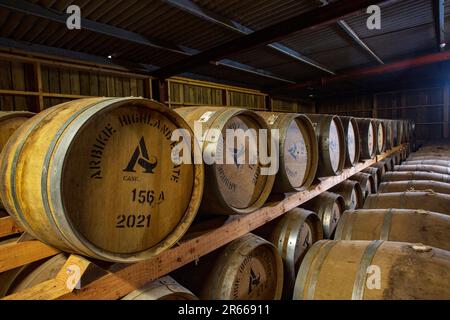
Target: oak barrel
(249,268)
(376,174)
(431,162)
(352,141)
(381,136)
(25,277)
(298,151)
(423,168)
(373,270)
(165,288)
(414,185)
(415,175)
(426,200)
(332,146)
(414,226)
(10,122)
(390,143)
(238,187)
(366,182)
(96,177)
(329,207)
(367,134)
(293,234)
(352,193)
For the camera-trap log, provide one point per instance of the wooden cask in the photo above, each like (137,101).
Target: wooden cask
(367,134)
(415,175)
(233,188)
(394,128)
(390,143)
(399,131)
(338,270)
(293,234)
(352,141)
(330,135)
(430,162)
(382,167)
(298,151)
(376,174)
(352,193)
(366,182)
(25,277)
(96,177)
(414,226)
(423,168)
(416,156)
(381,136)
(10,122)
(414,185)
(249,268)
(165,288)
(426,200)
(329,207)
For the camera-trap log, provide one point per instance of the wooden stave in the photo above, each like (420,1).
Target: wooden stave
(282,122)
(285,236)
(221,116)
(165,288)
(441,163)
(381,125)
(423,168)
(365,179)
(414,185)
(345,189)
(400,225)
(357,143)
(349,260)
(322,124)
(389,134)
(364,127)
(426,200)
(323,205)
(70,240)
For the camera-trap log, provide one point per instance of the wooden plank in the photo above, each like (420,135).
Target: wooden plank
(54,80)
(126,87)
(133,87)
(141,88)
(93,80)
(85,89)
(118,86)
(18,83)
(6,102)
(64,282)
(102,85)
(8,227)
(127,279)
(75,82)
(13,255)
(65,81)
(110,83)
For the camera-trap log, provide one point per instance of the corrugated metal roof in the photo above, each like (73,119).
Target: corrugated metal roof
(407,30)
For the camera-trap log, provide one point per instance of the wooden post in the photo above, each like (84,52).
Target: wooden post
(163,91)
(375,106)
(148,91)
(445,113)
(39,89)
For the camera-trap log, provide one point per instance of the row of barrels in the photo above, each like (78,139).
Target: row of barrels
(97,177)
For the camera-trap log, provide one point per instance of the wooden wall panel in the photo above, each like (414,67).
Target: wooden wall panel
(19,88)
(279,105)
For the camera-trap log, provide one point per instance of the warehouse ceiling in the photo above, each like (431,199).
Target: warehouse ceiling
(158,34)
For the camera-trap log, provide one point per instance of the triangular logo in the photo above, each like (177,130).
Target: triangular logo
(141,157)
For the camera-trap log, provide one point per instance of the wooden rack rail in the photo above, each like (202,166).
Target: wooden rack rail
(126,278)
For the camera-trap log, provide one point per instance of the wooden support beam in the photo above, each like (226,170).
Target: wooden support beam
(8,227)
(64,282)
(17,254)
(130,277)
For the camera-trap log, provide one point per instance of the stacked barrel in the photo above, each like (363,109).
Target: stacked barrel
(397,246)
(97,177)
